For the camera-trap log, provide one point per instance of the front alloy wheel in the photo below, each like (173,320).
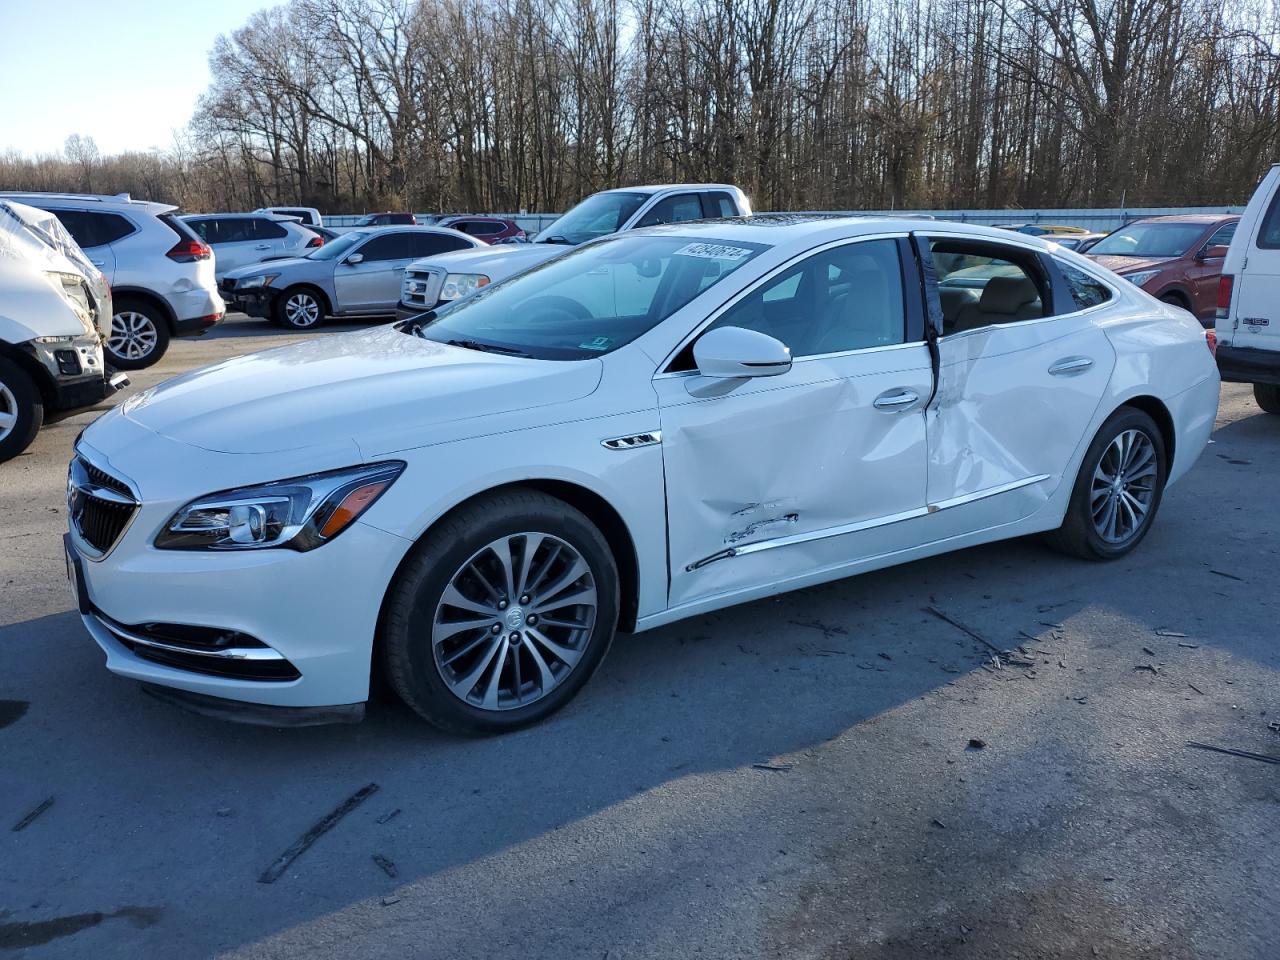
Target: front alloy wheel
(501,613)
(514,621)
(299,309)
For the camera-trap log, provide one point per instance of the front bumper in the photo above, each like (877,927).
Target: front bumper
(1248,364)
(77,374)
(315,611)
(256,302)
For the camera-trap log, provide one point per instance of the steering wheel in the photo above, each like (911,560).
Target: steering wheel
(549,305)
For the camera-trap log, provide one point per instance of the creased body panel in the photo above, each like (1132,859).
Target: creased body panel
(1001,416)
(787,456)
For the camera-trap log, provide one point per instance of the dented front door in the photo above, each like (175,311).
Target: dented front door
(777,477)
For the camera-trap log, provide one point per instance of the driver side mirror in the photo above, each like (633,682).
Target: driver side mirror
(734,352)
(1215,252)
(354,259)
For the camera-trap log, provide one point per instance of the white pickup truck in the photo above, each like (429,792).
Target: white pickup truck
(1248,321)
(441,279)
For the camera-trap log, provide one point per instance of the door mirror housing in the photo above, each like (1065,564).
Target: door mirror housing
(354,259)
(735,352)
(1215,252)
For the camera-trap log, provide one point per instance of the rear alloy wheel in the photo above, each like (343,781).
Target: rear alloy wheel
(299,309)
(21,410)
(139,336)
(1117,491)
(502,614)
(1268,397)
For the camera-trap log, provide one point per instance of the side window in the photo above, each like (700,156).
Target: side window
(203,229)
(717,203)
(230,230)
(429,244)
(674,209)
(1085,291)
(846,298)
(1269,232)
(388,246)
(94,229)
(483,228)
(264,229)
(1221,237)
(986,284)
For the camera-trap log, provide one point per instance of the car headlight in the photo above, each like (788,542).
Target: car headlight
(1141,277)
(76,295)
(252,283)
(460,284)
(300,514)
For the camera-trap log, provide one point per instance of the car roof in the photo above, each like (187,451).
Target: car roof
(659,187)
(1205,218)
(265,214)
(118,201)
(776,229)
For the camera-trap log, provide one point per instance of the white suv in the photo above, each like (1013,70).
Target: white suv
(161,274)
(1248,324)
(243,239)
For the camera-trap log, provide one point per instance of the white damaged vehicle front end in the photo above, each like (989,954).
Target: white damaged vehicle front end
(51,321)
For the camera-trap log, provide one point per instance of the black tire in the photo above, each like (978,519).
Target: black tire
(1268,397)
(310,303)
(1078,534)
(21,400)
(407,650)
(139,335)
(1175,299)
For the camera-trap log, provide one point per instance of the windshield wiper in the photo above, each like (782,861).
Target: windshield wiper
(486,347)
(557,239)
(415,323)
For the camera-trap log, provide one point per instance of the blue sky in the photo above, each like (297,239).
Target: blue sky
(125,72)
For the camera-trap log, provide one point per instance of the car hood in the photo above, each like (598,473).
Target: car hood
(1123,265)
(497,263)
(383,389)
(270,266)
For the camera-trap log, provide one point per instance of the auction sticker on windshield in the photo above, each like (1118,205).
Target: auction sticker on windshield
(713,251)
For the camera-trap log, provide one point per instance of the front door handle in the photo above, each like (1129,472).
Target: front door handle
(895,399)
(1070,366)
(97,263)
(263,246)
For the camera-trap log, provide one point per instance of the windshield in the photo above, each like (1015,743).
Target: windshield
(591,301)
(596,216)
(335,249)
(1149,240)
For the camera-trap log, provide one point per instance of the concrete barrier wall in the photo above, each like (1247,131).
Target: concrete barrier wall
(1099,220)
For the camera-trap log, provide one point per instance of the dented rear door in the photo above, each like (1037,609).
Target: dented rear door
(774,478)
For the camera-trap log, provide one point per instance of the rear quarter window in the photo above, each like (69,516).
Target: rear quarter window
(1085,290)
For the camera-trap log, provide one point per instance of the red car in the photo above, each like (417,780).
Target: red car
(1177,259)
(488,229)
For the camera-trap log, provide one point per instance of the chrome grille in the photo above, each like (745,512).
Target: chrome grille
(99,506)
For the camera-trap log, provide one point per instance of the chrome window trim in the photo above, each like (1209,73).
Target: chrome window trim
(771,275)
(827,533)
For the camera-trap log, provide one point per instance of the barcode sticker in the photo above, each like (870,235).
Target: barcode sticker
(713,251)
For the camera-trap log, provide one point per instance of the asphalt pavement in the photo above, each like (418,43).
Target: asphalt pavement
(841,772)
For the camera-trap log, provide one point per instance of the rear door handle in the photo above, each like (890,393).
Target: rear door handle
(895,399)
(263,246)
(1070,366)
(97,263)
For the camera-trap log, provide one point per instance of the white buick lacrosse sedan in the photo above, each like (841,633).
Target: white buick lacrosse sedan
(654,425)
